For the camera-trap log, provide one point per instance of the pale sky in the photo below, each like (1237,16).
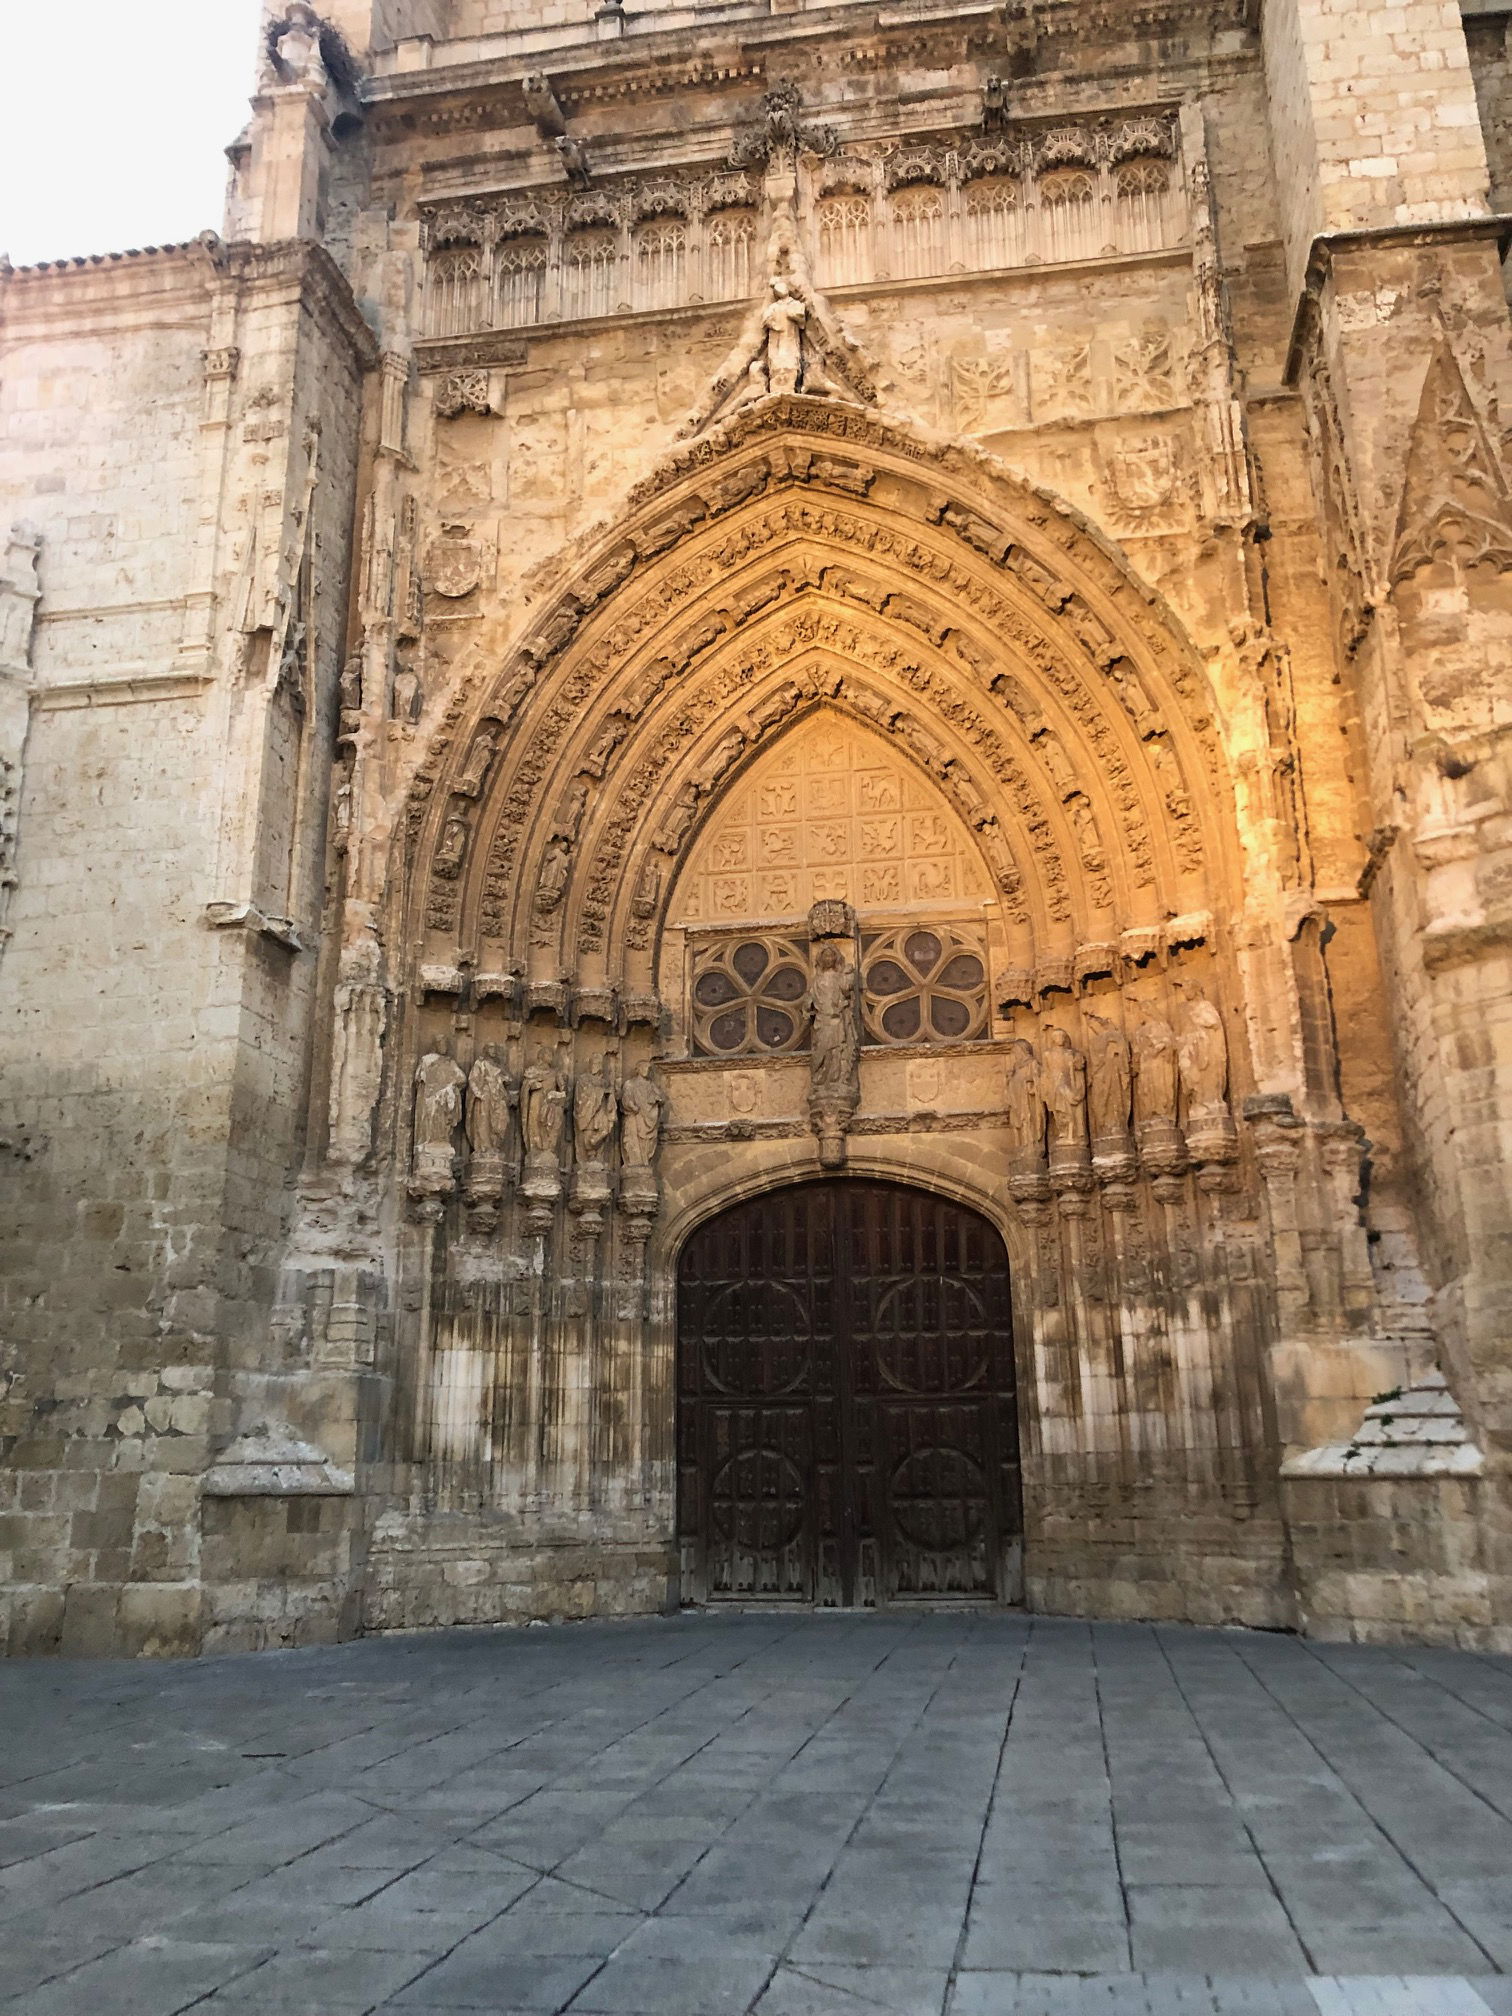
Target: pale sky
(116,118)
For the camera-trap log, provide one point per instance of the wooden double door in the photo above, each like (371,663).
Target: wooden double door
(847,1424)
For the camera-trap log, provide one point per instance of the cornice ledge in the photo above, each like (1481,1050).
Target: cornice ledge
(321,281)
(247,917)
(1328,245)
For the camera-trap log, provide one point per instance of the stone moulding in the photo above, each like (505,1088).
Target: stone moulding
(271,1461)
(1418,1433)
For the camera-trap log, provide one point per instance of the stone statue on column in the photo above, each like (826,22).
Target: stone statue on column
(490,1098)
(595,1116)
(1109,1086)
(361,1006)
(1025,1110)
(1154,1053)
(1063,1087)
(1202,1061)
(439,1081)
(642,1106)
(543,1117)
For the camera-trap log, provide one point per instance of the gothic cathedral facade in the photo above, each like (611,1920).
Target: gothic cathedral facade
(756,839)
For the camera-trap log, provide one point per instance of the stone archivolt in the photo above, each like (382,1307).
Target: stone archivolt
(995,641)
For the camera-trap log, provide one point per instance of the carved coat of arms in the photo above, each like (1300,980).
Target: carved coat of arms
(455,562)
(1143,472)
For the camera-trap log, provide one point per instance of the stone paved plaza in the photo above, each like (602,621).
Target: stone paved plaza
(796,1815)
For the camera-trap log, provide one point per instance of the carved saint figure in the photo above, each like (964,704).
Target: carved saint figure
(681,813)
(19,594)
(488,1105)
(642,1102)
(1202,1055)
(594,1111)
(1155,1072)
(1025,1105)
(452,846)
(553,878)
(835,1056)
(474,771)
(1063,1086)
(406,693)
(569,818)
(438,1100)
(351,683)
(783,324)
(647,888)
(1107,1079)
(294,45)
(605,743)
(543,1105)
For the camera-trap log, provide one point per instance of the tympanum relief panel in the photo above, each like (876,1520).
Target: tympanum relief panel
(831,813)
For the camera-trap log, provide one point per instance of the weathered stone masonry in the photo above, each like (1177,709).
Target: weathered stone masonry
(676,608)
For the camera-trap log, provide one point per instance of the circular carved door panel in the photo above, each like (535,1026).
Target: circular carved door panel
(847,1429)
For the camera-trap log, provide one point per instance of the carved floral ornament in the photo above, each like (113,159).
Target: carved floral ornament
(997,640)
(487,220)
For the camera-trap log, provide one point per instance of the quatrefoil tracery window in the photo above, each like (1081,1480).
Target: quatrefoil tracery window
(923,987)
(750,996)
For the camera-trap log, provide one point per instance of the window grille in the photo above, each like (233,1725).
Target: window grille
(923,987)
(590,262)
(661,256)
(731,245)
(994,222)
(845,239)
(520,281)
(1068,203)
(918,220)
(456,290)
(750,996)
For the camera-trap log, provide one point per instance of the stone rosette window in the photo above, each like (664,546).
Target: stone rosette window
(923,986)
(750,997)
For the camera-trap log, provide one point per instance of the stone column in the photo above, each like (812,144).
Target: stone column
(1400,350)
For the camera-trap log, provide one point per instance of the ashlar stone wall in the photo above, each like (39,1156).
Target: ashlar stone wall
(589,420)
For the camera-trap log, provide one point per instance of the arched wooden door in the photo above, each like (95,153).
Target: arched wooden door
(847,1426)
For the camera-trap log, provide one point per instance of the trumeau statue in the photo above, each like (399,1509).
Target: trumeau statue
(642,1103)
(835,1056)
(595,1112)
(1063,1081)
(543,1106)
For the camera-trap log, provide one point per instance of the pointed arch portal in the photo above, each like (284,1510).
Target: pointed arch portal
(849,1435)
(830,690)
